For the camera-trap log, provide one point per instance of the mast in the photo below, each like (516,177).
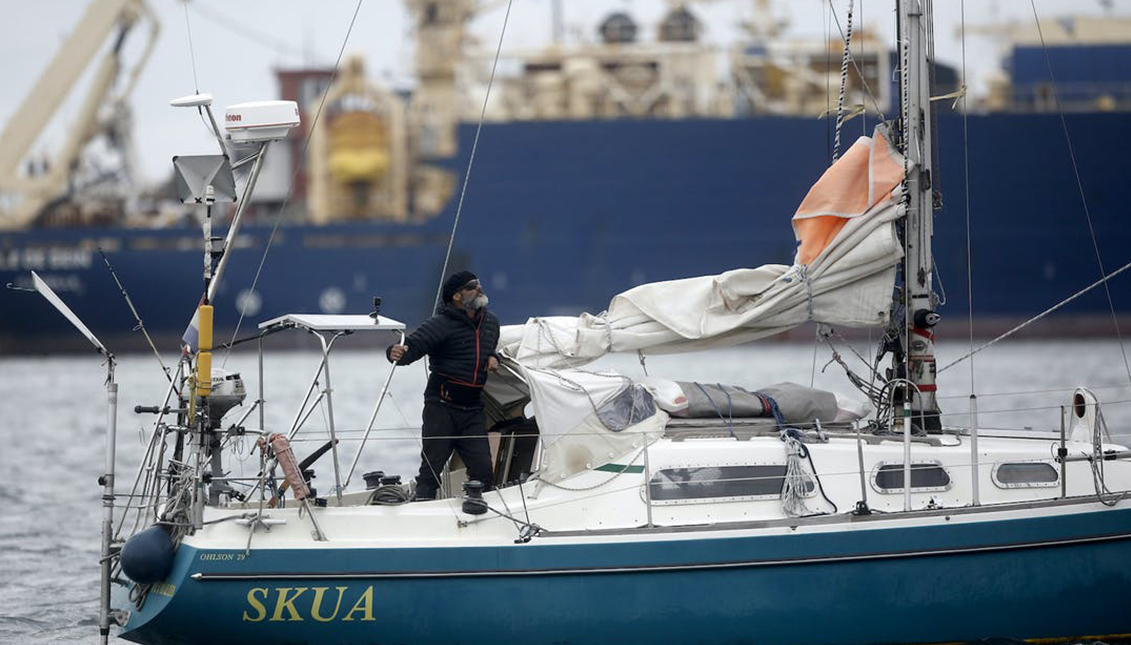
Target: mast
(918,297)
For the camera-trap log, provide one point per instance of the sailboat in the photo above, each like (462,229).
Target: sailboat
(638,508)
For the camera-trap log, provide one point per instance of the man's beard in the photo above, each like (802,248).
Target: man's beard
(478,302)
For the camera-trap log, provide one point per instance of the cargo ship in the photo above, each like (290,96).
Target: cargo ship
(595,165)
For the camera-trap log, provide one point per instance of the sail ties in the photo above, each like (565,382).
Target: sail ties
(729,417)
(803,274)
(957,95)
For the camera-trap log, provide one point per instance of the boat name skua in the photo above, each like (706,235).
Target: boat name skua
(286,609)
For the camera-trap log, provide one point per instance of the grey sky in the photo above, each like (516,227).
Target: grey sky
(239,44)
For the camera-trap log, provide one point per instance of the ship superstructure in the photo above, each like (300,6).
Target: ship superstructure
(584,166)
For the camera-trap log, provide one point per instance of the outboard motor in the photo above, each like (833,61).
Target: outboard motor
(227,392)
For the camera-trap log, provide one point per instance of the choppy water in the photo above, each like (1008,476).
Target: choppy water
(53,420)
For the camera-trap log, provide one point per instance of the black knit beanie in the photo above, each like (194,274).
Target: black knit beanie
(454,282)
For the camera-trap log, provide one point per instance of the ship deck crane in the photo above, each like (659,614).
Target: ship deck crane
(25,194)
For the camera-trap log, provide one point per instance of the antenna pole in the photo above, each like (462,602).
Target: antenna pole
(919,298)
(234,228)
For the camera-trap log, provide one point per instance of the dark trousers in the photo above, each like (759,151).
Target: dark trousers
(448,428)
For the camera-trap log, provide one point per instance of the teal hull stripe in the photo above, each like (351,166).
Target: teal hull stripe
(314,575)
(692,550)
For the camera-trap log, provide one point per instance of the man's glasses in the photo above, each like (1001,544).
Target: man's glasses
(470,286)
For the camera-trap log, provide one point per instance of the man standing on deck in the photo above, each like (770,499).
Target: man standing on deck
(460,342)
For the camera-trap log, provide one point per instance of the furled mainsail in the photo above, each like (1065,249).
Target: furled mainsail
(843,274)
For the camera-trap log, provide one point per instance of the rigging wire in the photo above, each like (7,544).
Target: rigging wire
(471,158)
(828,81)
(1102,281)
(263,39)
(192,51)
(966,181)
(860,53)
(856,66)
(1080,188)
(294,176)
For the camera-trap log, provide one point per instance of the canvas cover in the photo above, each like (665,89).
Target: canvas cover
(843,274)
(588,419)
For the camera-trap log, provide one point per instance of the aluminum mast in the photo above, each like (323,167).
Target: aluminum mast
(918,296)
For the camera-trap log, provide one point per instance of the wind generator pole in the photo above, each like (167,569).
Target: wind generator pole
(919,298)
(105,615)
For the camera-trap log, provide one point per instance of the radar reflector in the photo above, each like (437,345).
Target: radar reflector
(195,173)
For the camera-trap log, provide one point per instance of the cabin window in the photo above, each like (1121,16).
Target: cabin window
(1025,474)
(630,406)
(925,476)
(719,482)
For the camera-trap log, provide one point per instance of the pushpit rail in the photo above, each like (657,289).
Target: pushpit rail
(328,328)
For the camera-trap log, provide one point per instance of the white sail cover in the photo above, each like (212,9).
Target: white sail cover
(587,419)
(843,274)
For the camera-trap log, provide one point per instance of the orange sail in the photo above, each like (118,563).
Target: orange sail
(865,176)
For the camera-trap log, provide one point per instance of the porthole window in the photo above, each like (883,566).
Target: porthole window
(1025,474)
(925,477)
(716,483)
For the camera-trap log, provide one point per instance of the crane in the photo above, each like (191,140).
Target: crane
(27,193)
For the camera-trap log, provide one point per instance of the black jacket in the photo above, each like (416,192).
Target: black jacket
(458,348)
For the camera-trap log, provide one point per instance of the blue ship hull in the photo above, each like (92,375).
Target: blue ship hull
(560,216)
(925,580)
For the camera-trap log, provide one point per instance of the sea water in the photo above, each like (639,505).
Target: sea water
(53,416)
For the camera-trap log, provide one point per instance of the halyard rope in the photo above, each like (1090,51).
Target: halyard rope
(843,83)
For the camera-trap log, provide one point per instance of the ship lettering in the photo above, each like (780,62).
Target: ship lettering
(286,601)
(316,606)
(34,259)
(233,117)
(366,609)
(292,604)
(64,258)
(256,604)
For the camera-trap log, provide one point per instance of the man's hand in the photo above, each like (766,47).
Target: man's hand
(396,352)
(492,364)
